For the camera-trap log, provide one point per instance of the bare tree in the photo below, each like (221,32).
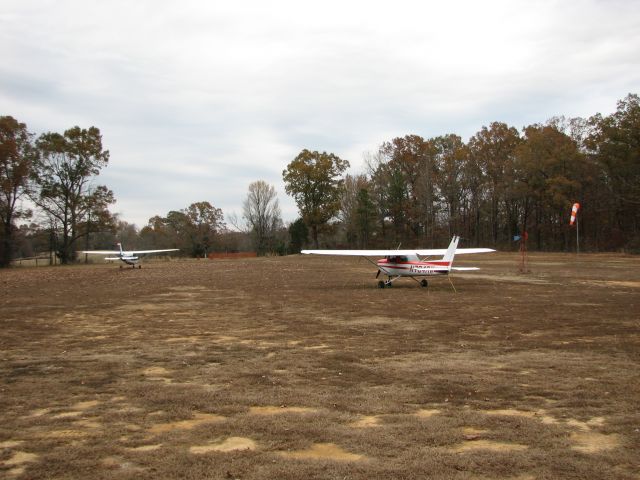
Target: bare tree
(262,213)
(350,206)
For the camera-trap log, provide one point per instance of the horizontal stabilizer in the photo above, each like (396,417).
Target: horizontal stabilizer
(463,251)
(140,252)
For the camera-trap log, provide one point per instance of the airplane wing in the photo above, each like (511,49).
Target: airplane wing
(126,252)
(140,252)
(387,253)
(101,252)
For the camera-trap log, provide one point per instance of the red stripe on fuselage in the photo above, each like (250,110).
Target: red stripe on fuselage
(414,269)
(385,263)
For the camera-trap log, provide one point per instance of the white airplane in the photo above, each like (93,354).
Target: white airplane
(130,257)
(407,263)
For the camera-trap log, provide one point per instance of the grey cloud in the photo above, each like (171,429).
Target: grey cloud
(196,100)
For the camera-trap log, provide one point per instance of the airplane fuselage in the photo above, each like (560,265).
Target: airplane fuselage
(129,260)
(126,258)
(408,267)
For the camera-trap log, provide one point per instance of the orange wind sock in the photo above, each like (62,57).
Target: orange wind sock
(574,212)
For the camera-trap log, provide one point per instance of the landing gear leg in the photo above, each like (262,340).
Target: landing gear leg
(387,283)
(423,283)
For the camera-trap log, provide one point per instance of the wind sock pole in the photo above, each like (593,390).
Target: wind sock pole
(577,234)
(574,219)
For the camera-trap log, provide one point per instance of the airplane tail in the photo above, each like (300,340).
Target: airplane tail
(120,247)
(451,252)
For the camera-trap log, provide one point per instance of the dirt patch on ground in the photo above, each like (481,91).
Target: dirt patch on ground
(279,410)
(366,422)
(323,451)
(231,444)
(592,442)
(616,283)
(427,413)
(540,415)
(17,463)
(198,420)
(146,448)
(301,367)
(489,445)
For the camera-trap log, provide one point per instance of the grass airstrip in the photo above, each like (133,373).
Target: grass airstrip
(299,367)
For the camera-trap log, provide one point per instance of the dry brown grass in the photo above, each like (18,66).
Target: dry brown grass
(300,367)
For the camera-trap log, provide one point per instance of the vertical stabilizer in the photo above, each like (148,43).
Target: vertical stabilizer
(451,251)
(120,247)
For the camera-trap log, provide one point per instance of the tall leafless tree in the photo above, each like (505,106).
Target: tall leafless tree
(261,210)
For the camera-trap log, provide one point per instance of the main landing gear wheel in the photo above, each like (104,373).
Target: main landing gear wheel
(380,284)
(424,283)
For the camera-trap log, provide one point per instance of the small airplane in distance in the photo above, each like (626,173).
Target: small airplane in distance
(407,263)
(129,257)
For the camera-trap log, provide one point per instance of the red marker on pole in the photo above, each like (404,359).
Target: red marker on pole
(574,219)
(574,212)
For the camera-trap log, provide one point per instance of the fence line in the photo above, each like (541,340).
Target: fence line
(33,261)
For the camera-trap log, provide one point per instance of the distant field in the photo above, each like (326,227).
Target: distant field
(300,368)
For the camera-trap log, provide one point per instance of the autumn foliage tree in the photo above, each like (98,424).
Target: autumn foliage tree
(490,182)
(614,144)
(548,163)
(204,223)
(194,229)
(17,154)
(315,181)
(63,174)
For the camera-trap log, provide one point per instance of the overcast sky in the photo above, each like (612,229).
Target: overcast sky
(197,99)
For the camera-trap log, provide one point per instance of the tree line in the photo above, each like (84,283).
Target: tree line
(56,176)
(501,184)
(498,185)
(54,172)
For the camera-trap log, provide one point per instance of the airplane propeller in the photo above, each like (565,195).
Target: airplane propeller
(377,274)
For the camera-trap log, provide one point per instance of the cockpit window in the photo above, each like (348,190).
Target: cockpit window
(397,259)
